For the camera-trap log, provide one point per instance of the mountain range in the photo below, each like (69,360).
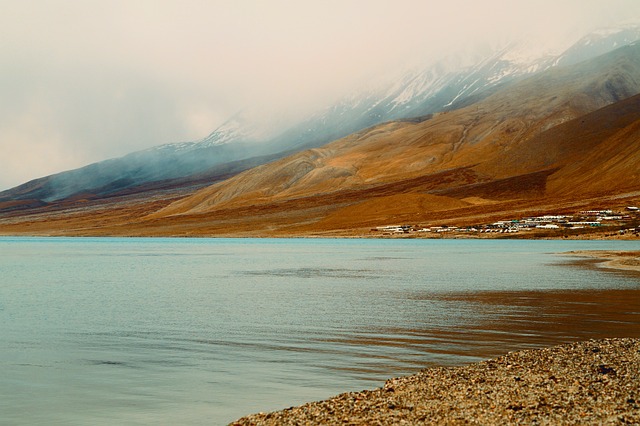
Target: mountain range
(511,131)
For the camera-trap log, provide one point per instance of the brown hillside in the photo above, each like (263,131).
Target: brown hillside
(512,146)
(561,140)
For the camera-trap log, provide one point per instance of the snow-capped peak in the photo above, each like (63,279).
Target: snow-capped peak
(599,42)
(527,52)
(229,131)
(430,88)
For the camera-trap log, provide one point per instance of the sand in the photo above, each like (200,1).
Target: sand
(591,382)
(612,259)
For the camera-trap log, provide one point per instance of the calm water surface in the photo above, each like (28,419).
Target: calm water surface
(203,331)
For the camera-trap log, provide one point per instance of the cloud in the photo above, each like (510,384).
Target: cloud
(29,146)
(85,80)
(61,119)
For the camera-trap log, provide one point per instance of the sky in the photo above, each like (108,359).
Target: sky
(86,80)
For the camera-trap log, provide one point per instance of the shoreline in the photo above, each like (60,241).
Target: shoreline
(595,381)
(589,382)
(622,260)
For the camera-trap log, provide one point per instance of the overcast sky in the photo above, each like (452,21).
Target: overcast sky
(86,80)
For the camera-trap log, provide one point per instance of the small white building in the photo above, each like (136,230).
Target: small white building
(548,226)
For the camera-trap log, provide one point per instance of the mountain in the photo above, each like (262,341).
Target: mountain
(446,85)
(229,149)
(598,43)
(451,83)
(554,140)
(238,144)
(565,134)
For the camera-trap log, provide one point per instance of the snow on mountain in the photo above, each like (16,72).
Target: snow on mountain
(246,127)
(231,131)
(441,85)
(422,91)
(599,42)
(452,82)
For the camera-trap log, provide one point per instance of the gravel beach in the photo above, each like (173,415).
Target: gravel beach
(591,382)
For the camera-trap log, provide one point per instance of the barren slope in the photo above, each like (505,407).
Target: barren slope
(563,140)
(530,140)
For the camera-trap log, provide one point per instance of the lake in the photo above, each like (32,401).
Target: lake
(203,331)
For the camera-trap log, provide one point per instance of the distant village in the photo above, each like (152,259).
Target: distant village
(625,222)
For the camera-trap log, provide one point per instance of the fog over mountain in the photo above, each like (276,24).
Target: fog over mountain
(527,143)
(83,81)
(243,141)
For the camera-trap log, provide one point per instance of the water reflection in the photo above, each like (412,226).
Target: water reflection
(502,321)
(148,331)
(316,273)
(549,317)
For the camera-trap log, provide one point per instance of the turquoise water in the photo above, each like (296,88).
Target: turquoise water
(203,331)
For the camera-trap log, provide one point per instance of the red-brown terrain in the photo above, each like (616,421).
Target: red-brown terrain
(562,140)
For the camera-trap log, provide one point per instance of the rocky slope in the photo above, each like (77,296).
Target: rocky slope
(568,131)
(444,85)
(566,138)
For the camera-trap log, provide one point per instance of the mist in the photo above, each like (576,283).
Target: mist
(87,80)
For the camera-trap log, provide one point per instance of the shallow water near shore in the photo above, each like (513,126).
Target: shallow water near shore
(203,331)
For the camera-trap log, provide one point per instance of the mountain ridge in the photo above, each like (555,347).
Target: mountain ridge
(429,90)
(466,139)
(568,136)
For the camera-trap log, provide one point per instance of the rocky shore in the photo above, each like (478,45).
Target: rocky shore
(592,382)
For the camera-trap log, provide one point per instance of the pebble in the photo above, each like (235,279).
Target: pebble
(592,382)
